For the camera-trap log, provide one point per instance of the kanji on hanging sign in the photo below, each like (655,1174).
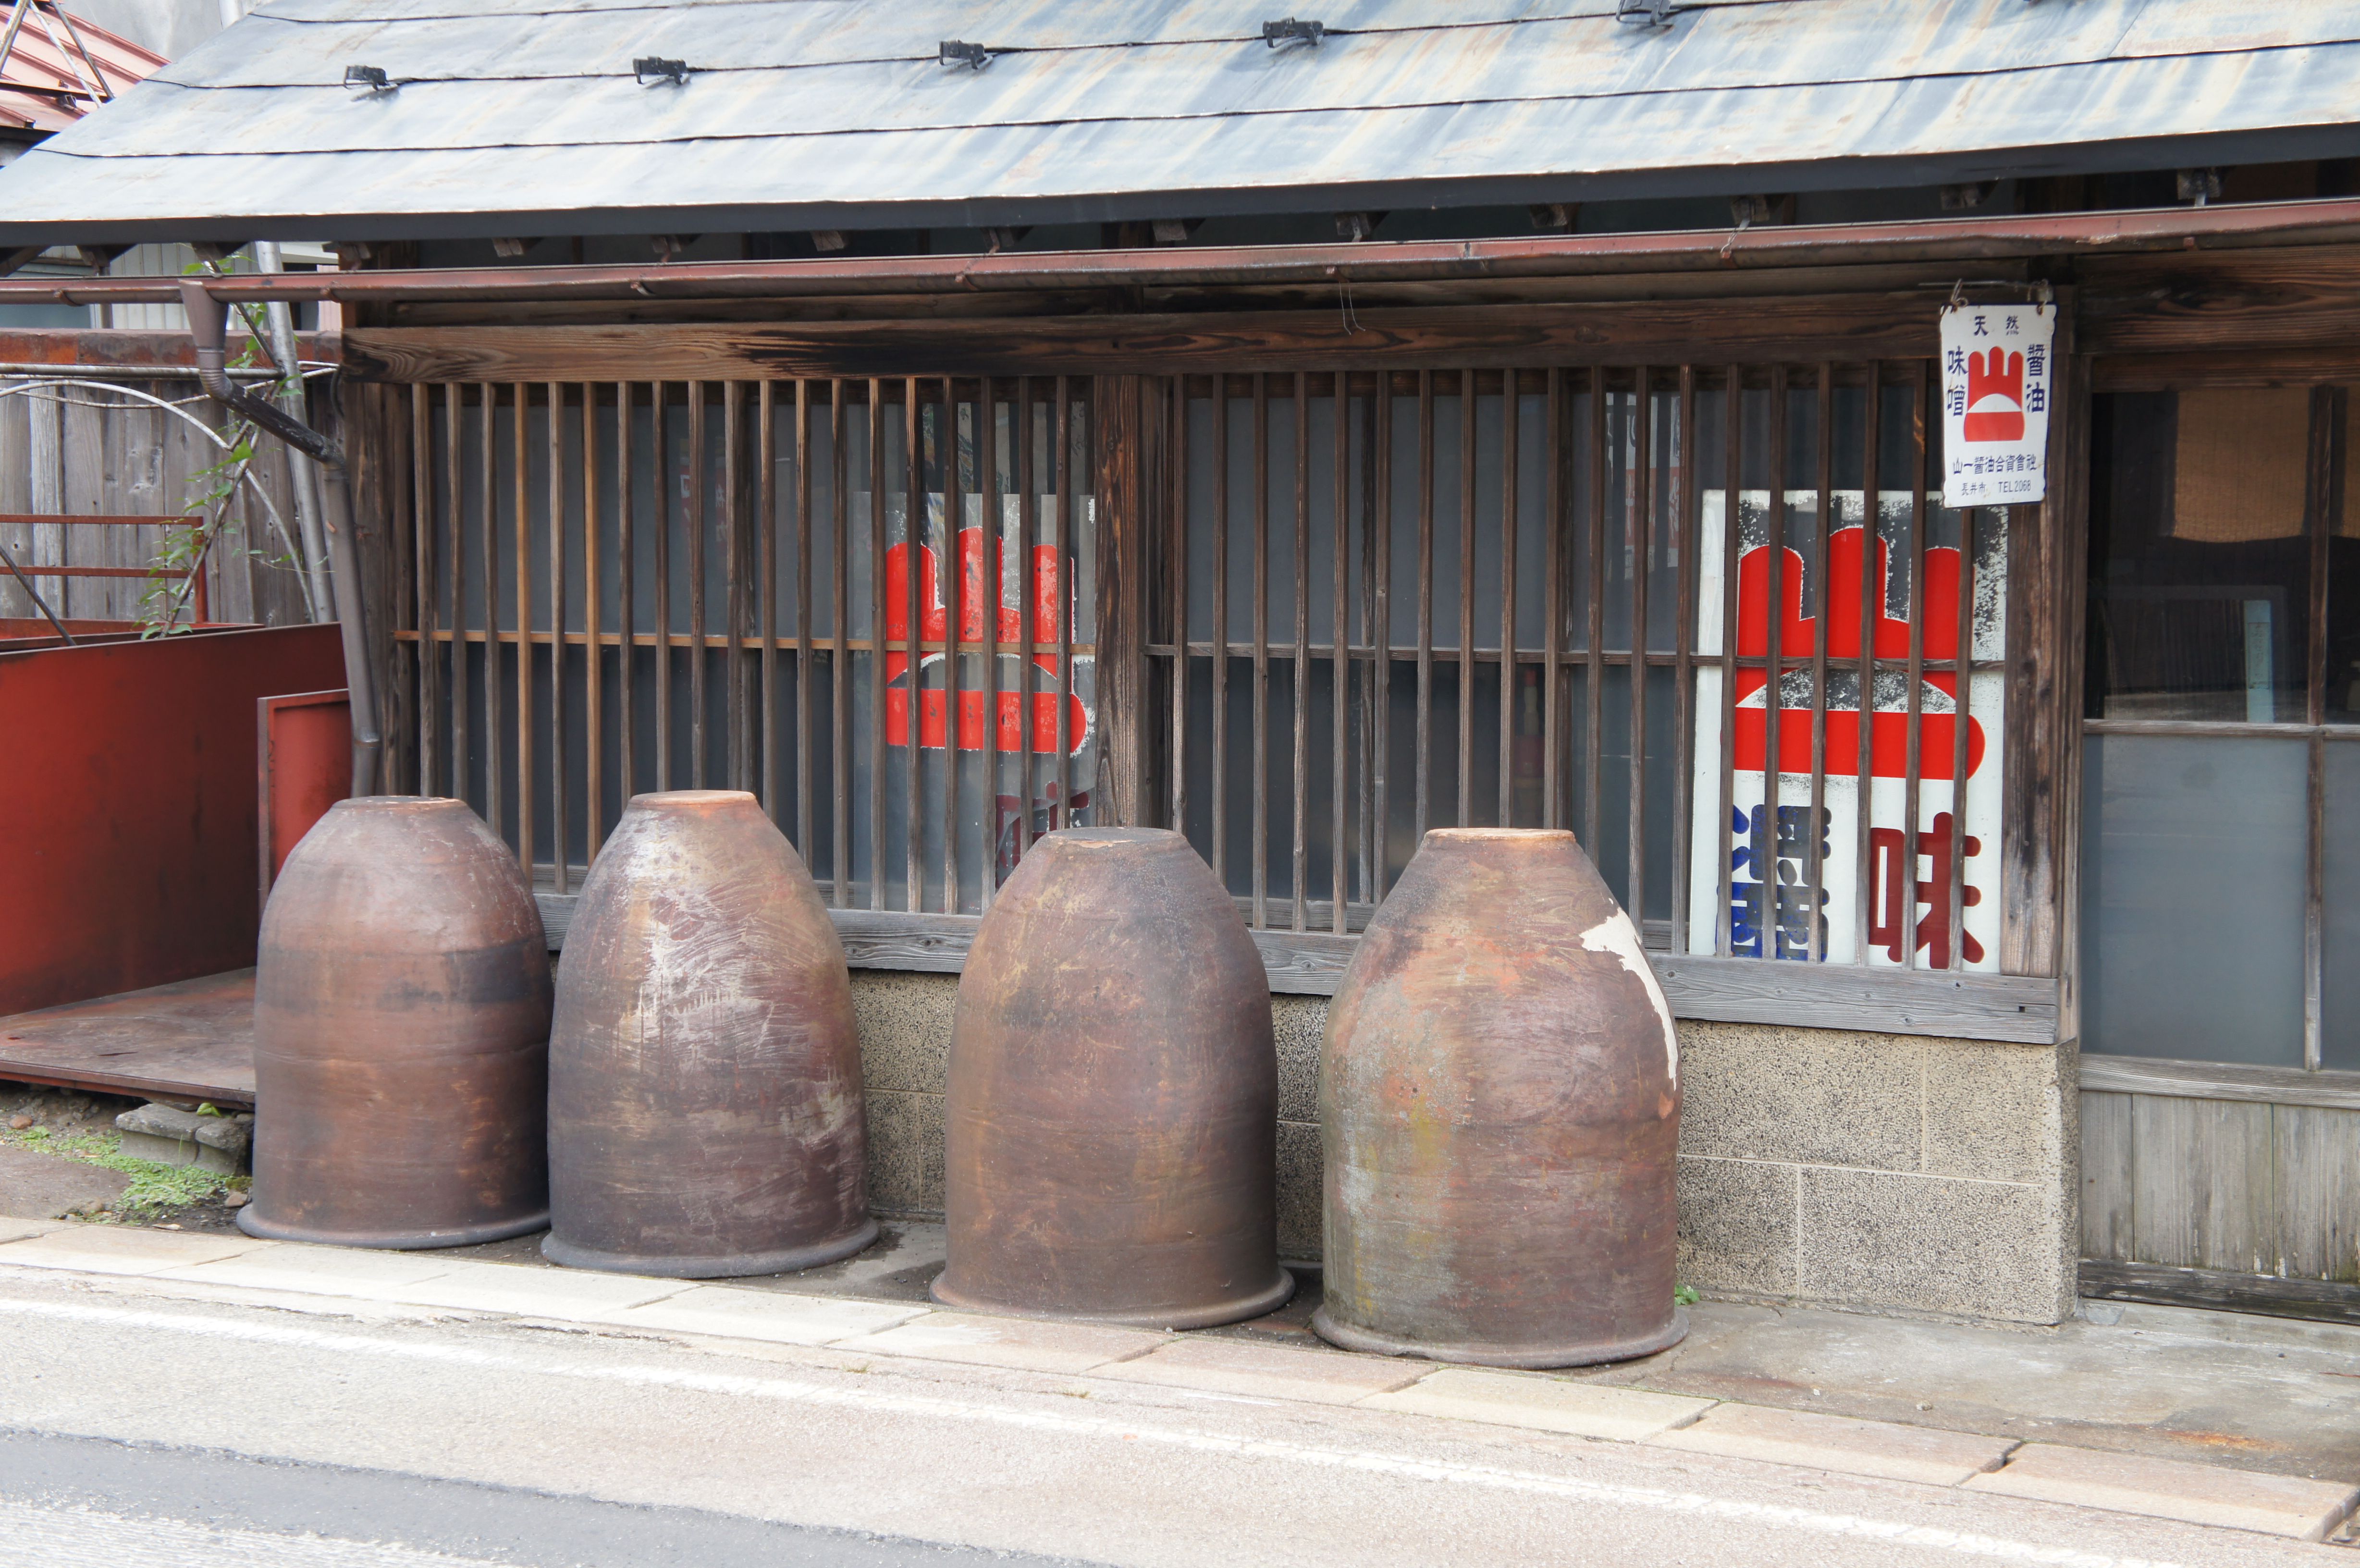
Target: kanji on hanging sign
(1996,379)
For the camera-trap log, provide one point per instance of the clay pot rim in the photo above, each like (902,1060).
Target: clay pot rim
(1510,834)
(402,803)
(689,799)
(1110,837)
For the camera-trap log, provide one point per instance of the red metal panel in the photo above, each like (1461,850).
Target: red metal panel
(130,801)
(304,765)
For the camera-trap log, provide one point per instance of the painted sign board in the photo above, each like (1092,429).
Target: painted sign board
(1997,372)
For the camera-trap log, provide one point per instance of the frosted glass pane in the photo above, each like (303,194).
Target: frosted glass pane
(2191,898)
(2340,1033)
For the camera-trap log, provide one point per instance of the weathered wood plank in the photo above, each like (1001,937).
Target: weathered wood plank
(2201,1184)
(2316,1155)
(1893,325)
(2164,301)
(2219,1290)
(2220,1081)
(2106,1208)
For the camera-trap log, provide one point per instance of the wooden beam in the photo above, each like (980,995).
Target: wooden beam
(2217,1290)
(1894,325)
(2220,1081)
(1730,990)
(2176,302)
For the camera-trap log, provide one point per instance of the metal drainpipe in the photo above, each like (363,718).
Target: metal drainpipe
(208,326)
(280,318)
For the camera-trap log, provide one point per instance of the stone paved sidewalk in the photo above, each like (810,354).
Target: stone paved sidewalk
(1708,1397)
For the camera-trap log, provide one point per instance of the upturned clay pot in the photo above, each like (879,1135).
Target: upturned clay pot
(400,1034)
(1111,1120)
(1499,1108)
(704,1100)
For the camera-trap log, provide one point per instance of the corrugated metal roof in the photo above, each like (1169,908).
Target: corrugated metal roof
(521,117)
(61,66)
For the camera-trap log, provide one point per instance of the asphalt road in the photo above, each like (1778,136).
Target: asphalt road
(142,1432)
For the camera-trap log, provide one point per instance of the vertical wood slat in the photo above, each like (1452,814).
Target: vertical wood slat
(1465,756)
(877,547)
(1953,890)
(1871,607)
(1640,530)
(626,595)
(2201,1183)
(699,629)
(494,728)
(1028,620)
(1904,914)
(559,853)
(455,495)
(2107,1226)
(1593,795)
(839,664)
(765,566)
(1339,774)
(1815,843)
(660,479)
(1773,647)
(1381,637)
(1176,544)
(524,726)
(1260,651)
(2315,1168)
(1067,472)
(1220,672)
(594,650)
(952,573)
(914,539)
(1724,821)
(737,756)
(1685,522)
(1299,857)
(1553,526)
(1510,672)
(1425,484)
(2326,487)
(428,593)
(994,542)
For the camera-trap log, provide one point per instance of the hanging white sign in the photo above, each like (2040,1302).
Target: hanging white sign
(1996,369)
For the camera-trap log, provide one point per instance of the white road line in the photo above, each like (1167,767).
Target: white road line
(86,1537)
(1443,1472)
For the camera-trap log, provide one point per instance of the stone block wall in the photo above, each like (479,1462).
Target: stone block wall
(1885,1172)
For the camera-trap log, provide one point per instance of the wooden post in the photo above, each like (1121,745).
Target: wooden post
(1118,427)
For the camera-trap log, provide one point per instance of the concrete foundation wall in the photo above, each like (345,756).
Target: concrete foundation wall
(1887,1173)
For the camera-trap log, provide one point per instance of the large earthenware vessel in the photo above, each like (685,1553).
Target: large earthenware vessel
(1500,1109)
(400,1034)
(704,1106)
(1111,1125)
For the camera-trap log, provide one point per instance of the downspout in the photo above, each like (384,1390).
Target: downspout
(209,325)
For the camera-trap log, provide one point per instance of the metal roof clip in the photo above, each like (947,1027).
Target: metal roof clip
(1289,30)
(975,57)
(370,78)
(1649,14)
(656,67)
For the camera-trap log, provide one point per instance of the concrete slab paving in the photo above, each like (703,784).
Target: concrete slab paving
(18,1230)
(1838,1442)
(2162,1489)
(2253,1393)
(771,1315)
(560,1293)
(1542,1403)
(121,1249)
(1028,1344)
(1270,1372)
(317,1270)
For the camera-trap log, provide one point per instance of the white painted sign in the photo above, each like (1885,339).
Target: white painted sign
(1996,379)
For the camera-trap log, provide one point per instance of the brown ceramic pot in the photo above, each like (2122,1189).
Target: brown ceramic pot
(1500,1107)
(1112,1126)
(704,1104)
(401,1003)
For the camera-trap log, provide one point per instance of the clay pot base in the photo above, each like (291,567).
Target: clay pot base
(1238,1309)
(737,1265)
(1528,1358)
(266,1229)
